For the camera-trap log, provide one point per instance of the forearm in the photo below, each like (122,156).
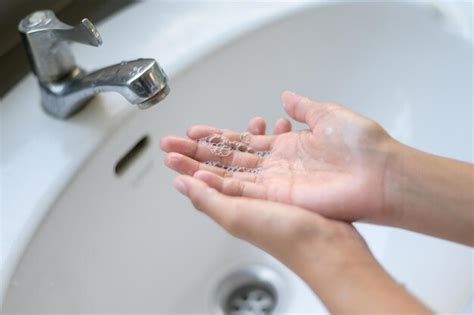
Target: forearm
(430,194)
(347,278)
(361,289)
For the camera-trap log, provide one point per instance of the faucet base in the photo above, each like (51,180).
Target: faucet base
(57,100)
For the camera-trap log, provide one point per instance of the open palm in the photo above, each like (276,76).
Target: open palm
(336,167)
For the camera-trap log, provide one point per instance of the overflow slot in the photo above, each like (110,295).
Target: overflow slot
(128,158)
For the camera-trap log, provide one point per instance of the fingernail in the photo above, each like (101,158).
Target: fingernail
(180,186)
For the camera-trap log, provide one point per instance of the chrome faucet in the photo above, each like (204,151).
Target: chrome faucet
(65,87)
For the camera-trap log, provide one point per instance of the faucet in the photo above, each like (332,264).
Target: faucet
(65,87)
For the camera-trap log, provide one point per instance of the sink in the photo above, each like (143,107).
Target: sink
(118,238)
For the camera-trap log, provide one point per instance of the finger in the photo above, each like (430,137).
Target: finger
(185,165)
(272,226)
(243,217)
(226,211)
(282,125)
(202,153)
(257,126)
(257,142)
(232,186)
(303,109)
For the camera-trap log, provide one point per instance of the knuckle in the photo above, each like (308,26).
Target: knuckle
(197,200)
(229,186)
(236,187)
(197,203)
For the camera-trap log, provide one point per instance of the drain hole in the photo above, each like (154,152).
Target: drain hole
(124,163)
(251,290)
(250,299)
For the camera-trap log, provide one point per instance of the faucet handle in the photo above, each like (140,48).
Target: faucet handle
(45,38)
(84,33)
(46,23)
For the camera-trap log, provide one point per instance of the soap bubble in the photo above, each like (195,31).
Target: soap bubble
(222,146)
(234,169)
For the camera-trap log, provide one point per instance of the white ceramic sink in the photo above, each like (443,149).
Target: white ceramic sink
(130,243)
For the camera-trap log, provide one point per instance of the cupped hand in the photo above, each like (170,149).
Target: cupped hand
(329,255)
(336,167)
(301,239)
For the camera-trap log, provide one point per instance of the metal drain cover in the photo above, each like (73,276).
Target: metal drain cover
(251,299)
(249,290)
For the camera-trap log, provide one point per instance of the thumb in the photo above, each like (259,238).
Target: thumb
(303,109)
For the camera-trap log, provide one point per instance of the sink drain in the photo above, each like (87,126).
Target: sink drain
(251,290)
(251,299)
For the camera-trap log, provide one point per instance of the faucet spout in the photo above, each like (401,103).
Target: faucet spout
(65,87)
(140,81)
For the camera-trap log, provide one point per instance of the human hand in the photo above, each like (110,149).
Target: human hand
(335,168)
(303,240)
(329,255)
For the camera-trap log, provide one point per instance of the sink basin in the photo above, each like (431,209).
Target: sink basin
(118,238)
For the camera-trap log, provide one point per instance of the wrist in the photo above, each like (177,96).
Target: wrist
(332,255)
(428,194)
(395,177)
